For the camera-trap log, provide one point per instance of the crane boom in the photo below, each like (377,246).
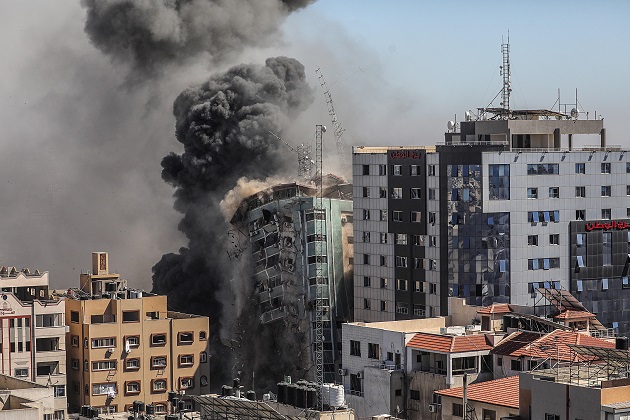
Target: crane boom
(337,127)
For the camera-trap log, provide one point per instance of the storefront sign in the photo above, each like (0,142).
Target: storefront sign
(617,225)
(405,154)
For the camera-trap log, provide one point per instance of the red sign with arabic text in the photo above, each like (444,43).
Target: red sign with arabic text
(617,225)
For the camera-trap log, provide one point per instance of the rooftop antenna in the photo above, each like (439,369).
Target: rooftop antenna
(506,73)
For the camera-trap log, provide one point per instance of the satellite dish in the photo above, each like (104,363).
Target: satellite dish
(450,125)
(323,128)
(575,113)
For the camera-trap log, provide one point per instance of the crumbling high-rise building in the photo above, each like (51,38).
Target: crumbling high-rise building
(290,256)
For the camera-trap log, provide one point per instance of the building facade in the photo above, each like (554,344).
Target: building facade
(125,345)
(291,258)
(502,207)
(32,333)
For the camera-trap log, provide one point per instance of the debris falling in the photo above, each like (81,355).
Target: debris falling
(150,35)
(224,127)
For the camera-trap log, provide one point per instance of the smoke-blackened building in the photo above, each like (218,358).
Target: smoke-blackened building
(290,257)
(507,204)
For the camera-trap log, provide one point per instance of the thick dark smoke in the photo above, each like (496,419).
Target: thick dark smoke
(149,35)
(224,127)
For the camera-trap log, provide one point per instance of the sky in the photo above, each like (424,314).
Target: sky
(80,151)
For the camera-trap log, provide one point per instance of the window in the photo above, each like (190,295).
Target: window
(383,261)
(383,283)
(402,308)
(606,248)
(606,214)
(131,316)
(416,216)
(203,357)
(401,284)
(158,339)
(432,288)
(532,240)
(433,265)
(625,284)
(74,340)
(414,170)
(401,261)
(580,168)
(551,416)
(203,380)
(366,169)
(516,364)
(132,364)
(418,240)
(21,372)
(431,170)
(366,281)
(397,170)
(383,305)
(604,284)
(366,237)
(383,237)
(418,286)
(532,193)
(186,360)
(454,218)
(203,336)
(605,167)
(366,259)
(543,169)
(355,384)
(367,303)
(627,189)
(489,414)
(185,338)
(104,389)
(554,239)
(366,192)
(132,388)
(606,190)
(432,241)
(103,342)
(74,317)
(397,193)
(382,170)
(431,216)
(580,215)
(75,364)
(431,193)
(382,192)
(580,191)
(418,263)
(374,351)
(366,214)
(158,385)
(397,216)
(383,215)
(104,365)
(554,192)
(414,395)
(60,391)
(400,239)
(499,182)
(158,362)
(186,383)
(355,348)
(416,193)
(458,410)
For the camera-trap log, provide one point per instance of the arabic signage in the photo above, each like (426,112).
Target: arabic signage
(5,307)
(405,154)
(614,225)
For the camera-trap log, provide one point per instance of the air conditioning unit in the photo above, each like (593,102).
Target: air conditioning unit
(360,375)
(343,372)
(111,350)
(433,408)
(127,347)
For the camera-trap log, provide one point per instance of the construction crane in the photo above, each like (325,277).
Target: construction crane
(337,128)
(305,163)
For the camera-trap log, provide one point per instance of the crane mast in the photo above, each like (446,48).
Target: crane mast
(337,128)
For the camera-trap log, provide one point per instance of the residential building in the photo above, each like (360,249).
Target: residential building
(491,400)
(125,345)
(32,332)
(506,205)
(21,399)
(296,248)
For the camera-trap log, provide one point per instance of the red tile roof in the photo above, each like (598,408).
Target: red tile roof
(450,344)
(495,308)
(503,392)
(552,345)
(571,314)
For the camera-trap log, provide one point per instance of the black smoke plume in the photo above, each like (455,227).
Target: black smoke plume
(224,127)
(149,35)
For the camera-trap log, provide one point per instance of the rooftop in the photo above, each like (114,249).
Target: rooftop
(450,344)
(496,308)
(503,392)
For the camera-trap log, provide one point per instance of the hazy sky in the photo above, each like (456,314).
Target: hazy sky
(80,154)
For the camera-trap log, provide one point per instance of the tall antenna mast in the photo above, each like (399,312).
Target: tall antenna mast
(337,128)
(505,72)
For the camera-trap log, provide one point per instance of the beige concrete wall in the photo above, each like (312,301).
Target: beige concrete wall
(425,383)
(447,409)
(462,314)
(615,394)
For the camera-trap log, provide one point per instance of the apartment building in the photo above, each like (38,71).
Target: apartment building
(32,333)
(125,345)
(506,205)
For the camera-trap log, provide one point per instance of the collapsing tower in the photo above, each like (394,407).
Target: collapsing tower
(301,243)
